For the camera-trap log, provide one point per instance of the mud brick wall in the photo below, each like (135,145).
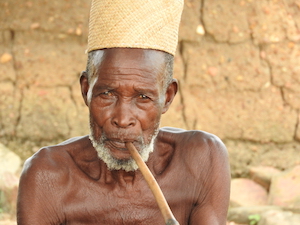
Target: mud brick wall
(238,64)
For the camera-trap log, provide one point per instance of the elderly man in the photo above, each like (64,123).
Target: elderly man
(128,84)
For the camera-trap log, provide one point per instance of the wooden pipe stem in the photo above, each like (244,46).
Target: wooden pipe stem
(159,197)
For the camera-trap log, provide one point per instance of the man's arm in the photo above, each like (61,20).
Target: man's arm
(213,201)
(39,191)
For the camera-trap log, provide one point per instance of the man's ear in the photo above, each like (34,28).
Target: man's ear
(170,94)
(84,84)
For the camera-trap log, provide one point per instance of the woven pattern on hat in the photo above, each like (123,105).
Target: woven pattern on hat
(149,24)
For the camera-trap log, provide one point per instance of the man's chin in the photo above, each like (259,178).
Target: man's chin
(116,156)
(119,159)
(119,154)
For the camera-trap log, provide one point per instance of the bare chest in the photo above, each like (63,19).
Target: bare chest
(92,203)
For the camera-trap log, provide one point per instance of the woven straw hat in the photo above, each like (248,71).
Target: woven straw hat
(149,24)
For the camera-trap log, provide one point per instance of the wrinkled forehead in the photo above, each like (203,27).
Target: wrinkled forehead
(144,59)
(133,57)
(145,64)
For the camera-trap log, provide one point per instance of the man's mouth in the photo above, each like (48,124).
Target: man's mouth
(117,149)
(120,145)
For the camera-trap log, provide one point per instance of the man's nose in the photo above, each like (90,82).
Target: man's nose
(123,116)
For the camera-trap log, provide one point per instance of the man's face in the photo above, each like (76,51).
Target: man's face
(126,102)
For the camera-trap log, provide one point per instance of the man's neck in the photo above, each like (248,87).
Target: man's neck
(119,177)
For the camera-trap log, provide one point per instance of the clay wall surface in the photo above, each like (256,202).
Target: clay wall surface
(238,65)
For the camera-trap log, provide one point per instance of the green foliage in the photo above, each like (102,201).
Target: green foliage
(2,204)
(254,219)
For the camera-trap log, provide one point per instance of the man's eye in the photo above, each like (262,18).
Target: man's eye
(107,93)
(141,96)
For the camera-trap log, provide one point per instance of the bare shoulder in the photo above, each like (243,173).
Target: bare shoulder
(48,157)
(193,141)
(45,176)
(198,151)
(51,160)
(204,157)
(45,179)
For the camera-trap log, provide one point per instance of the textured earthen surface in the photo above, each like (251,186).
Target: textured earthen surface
(237,64)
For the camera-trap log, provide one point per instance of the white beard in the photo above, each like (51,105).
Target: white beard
(121,164)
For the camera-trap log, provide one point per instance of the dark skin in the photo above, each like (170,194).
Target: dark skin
(69,184)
